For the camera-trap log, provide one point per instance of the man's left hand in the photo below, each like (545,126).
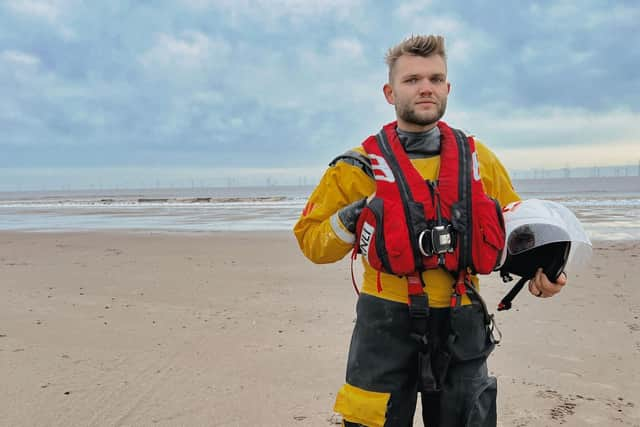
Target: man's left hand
(542,287)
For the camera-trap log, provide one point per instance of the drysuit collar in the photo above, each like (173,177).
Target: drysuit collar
(420,144)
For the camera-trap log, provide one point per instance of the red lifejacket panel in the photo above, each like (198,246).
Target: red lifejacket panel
(412,225)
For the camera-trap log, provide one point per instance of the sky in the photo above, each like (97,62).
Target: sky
(206,92)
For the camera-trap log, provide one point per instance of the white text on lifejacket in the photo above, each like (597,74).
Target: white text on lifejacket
(365,238)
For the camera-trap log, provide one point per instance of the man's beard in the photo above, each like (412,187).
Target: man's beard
(407,113)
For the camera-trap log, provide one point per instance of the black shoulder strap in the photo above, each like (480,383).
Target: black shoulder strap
(354,158)
(414,222)
(464,215)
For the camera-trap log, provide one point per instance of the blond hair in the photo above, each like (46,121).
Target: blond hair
(418,45)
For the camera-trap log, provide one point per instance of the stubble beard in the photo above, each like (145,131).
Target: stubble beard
(407,113)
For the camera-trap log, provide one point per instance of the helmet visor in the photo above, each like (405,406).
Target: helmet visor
(534,223)
(530,236)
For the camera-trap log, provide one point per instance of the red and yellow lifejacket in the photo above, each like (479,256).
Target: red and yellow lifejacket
(412,225)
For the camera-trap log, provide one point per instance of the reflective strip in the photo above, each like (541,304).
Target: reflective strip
(360,406)
(342,233)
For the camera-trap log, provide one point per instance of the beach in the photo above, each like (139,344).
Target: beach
(115,328)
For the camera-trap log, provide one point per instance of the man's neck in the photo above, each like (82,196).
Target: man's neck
(412,127)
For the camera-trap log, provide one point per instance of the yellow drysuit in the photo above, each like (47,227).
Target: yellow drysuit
(323,238)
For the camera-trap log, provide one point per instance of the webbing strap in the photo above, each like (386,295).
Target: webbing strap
(474,296)
(415,284)
(459,288)
(418,309)
(505,303)
(419,312)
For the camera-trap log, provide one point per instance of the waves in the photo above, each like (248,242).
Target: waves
(609,215)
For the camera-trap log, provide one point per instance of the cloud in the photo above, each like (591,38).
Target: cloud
(192,49)
(545,137)
(586,15)
(273,9)
(408,10)
(348,49)
(464,40)
(567,156)
(45,9)
(215,83)
(51,11)
(18,58)
(281,16)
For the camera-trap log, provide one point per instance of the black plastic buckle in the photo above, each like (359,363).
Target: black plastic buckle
(506,277)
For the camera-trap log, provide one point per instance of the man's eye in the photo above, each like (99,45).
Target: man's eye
(412,80)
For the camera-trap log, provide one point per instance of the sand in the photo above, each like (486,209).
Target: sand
(238,329)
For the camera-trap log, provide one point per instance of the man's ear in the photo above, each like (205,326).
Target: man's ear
(388,93)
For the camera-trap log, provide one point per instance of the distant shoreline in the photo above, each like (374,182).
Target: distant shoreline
(609,208)
(133,190)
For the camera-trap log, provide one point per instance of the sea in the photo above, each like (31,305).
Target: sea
(608,207)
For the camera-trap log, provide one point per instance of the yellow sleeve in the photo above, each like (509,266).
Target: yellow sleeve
(320,234)
(495,178)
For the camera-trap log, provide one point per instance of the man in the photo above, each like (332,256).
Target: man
(397,348)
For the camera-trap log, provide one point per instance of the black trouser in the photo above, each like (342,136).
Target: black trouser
(383,358)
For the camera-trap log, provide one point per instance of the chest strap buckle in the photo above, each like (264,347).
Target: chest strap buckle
(437,240)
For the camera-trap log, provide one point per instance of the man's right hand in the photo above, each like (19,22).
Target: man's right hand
(349,214)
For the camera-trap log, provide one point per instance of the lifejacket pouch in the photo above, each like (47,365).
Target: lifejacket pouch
(369,229)
(487,234)
(385,240)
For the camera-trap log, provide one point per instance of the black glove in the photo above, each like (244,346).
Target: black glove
(349,214)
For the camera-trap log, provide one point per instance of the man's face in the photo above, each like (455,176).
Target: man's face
(418,90)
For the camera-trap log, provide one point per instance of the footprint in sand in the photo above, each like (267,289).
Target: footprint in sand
(565,408)
(561,411)
(633,327)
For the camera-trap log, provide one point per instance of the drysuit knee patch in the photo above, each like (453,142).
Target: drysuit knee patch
(362,406)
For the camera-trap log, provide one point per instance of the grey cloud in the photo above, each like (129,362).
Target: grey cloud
(148,83)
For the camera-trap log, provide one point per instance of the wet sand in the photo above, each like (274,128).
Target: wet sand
(238,329)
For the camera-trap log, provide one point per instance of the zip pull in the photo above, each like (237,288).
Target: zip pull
(432,189)
(438,211)
(435,199)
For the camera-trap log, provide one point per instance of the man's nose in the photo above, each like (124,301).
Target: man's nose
(426,88)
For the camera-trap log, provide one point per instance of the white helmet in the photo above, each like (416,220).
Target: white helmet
(542,233)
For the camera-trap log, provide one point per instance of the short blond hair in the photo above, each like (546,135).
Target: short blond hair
(418,45)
